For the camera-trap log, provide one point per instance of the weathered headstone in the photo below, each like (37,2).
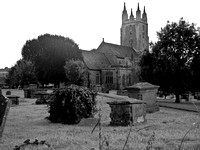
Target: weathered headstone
(29,91)
(8,92)
(4,108)
(42,97)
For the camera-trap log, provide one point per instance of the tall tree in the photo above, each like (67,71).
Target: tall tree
(22,73)
(195,72)
(49,53)
(172,56)
(76,72)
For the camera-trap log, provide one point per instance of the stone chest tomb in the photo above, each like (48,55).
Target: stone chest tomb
(146,92)
(125,113)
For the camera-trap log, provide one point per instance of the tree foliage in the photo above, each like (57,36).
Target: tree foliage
(48,54)
(169,64)
(76,72)
(195,72)
(22,73)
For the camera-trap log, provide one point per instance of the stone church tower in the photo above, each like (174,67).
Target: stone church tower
(134,31)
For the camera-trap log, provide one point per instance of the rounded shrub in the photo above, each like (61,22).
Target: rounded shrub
(70,104)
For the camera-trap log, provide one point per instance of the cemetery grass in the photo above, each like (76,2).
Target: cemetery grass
(28,121)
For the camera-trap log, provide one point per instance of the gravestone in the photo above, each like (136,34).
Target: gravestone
(8,92)
(42,97)
(146,92)
(4,108)
(29,91)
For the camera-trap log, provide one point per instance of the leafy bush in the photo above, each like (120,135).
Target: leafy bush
(70,104)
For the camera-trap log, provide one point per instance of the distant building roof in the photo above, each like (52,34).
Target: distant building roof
(95,60)
(106,55)
(117,50)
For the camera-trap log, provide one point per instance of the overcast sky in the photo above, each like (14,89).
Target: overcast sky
(84,21)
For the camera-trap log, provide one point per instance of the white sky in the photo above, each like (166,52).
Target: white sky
(84,21)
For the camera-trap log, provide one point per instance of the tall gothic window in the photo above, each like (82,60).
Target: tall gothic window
(129,79)
(109,77)
(131,42)
(97,78)
(143,31)
(123,80)
(143,35)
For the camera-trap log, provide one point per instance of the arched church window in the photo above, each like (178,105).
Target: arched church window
(109,77)
(131,42)
(130,27)
(132,56)
(129,79)
(97,78)
(123,80)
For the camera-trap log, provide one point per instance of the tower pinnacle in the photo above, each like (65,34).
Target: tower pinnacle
(131,16)
(124,14)
(144,15)
(124,11)
(138,13)
(138,9)
(144,12)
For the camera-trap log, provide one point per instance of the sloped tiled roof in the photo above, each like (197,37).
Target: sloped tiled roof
(95,60)
(106,55)
(111,58)
(117,50)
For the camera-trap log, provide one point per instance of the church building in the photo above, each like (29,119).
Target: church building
(113,66)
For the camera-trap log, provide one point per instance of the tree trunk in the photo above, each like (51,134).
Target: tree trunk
(177,99)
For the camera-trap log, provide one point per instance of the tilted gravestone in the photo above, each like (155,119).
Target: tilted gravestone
(4,108)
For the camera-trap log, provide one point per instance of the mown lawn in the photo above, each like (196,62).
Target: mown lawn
(27,121)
